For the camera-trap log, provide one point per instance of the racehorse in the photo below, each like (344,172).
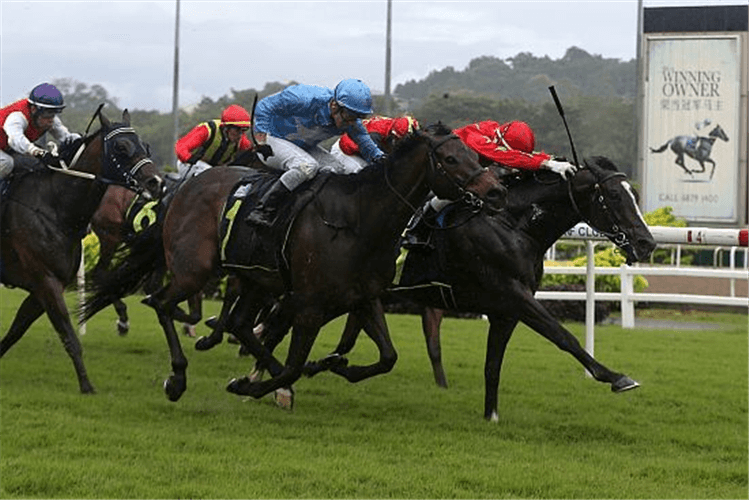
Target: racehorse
(112,225)
(337,254)
(46,215)
(698,148)
(494,264)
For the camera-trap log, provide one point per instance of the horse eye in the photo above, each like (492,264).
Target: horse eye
(451,160)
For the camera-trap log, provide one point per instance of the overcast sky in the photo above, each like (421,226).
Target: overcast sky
(127,46)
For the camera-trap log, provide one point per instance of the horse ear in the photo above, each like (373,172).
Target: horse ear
(126,117)
(105,123)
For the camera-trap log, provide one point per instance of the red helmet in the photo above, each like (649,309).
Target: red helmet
(235,116)
(517,135)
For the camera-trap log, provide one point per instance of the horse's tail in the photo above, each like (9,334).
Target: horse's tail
(137,262)
(660,149)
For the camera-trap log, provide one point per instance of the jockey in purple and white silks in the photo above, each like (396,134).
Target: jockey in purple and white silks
(27,120)
(295,121)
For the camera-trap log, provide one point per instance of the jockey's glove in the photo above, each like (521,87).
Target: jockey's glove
(265,150)
(563,168)
(50,159)
(36,151)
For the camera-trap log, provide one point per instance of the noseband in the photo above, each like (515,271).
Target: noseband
(616,234)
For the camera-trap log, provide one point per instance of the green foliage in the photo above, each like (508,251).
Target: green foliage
(664,217)
(608,257)
(90,251)
(560,434)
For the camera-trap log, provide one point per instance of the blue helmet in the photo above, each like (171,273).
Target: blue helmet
(354,94)
(47,97)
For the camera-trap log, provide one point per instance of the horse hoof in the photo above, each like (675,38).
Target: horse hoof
(204,343)
(172,391)
(123,327)
(211,322)
(239,386)
(256,375)
(189,330)
(285,398)
(624,384)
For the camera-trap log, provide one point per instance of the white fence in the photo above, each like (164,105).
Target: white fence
(734,239)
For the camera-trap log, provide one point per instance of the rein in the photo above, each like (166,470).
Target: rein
(436,166)
(109,161)
(616,234)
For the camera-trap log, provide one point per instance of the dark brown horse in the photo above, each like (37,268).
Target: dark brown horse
(46,215)
(113,224)
(336,255)
(494,264)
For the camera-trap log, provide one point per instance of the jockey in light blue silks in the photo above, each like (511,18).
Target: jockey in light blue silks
(294,121)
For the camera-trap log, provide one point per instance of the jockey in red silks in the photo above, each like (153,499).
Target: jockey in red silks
(27,120)
(509,145)
(213,143)
(346,151)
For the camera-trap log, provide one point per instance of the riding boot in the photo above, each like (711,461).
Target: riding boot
(418,234)
(264,213)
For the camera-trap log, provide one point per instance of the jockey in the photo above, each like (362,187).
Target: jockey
(294,122)
(510,145)
(346,151)
(27,120)
(213,143)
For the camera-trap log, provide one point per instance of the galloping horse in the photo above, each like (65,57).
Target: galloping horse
(112,225)
(46,217)
(698,148)
(494,264)
(336,255)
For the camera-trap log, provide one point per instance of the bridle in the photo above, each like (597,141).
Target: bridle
(616,234)
(436,167)
(112,162)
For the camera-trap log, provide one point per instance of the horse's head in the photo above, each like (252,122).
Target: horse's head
(607,202)
(719,133)
(127,158)
(455,172)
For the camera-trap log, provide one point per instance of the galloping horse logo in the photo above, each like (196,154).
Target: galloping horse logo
(695,147)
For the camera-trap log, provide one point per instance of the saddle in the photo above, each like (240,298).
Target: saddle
(246,247)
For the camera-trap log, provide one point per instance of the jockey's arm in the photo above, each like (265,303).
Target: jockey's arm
(367,147)
(15,127)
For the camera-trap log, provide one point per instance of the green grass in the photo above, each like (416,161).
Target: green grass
(683,434)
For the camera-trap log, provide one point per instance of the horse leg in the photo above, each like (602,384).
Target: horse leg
(195,303)
(123,323)
(303,335)
(29,312)
(376,328)
(680,162)
(431,319)
(163,302)
(217,329)
(50,295)
(500,331)
(712,171)
(539,319)
(354,325)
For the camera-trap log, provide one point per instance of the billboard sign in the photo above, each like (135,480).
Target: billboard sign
(692,104)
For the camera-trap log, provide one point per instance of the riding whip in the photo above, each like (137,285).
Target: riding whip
(566,127)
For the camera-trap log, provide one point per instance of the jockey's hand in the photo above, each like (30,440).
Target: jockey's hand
(563,168)
(51,160)
(265,150)
(36,151)
(380,159)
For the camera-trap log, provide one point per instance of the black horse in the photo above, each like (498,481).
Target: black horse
(698,148)
(337,253)
(493,265)
(46,214)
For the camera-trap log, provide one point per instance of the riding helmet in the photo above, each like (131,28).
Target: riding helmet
(48,97)
(354,94)
(236,116)
(517,135)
